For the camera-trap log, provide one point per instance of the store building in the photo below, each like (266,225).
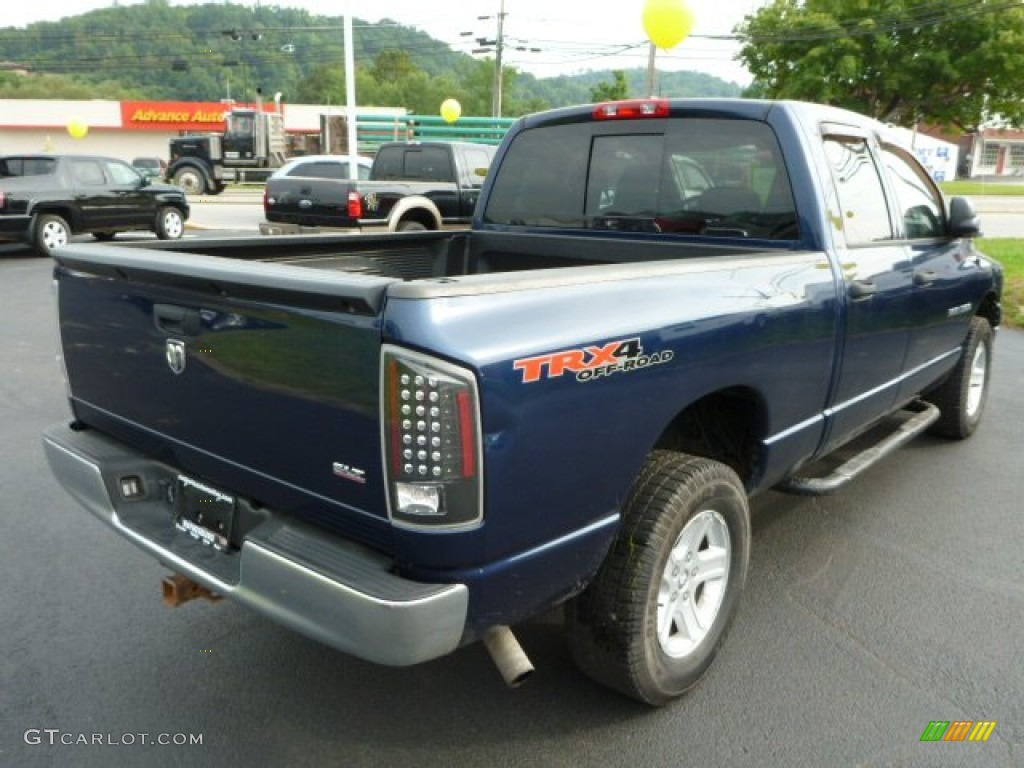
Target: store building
(128,129)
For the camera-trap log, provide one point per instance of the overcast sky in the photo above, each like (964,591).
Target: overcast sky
(572,35)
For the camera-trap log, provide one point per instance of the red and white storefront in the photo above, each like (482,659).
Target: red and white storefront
(128,129)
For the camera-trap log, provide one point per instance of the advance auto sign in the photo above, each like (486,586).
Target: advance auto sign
(173,115)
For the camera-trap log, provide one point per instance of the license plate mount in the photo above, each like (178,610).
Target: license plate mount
(203,512)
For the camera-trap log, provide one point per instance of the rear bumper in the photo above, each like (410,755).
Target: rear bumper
(284,228)
(351,226)
(329,589)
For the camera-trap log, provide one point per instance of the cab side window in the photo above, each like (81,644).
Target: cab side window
(121,173)
(864,214)
(919,202)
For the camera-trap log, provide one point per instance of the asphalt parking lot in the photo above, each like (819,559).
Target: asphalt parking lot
(868,614)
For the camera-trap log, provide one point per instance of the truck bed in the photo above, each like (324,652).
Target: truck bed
(433,255)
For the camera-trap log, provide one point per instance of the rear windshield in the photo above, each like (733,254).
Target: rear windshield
(326,169)
(27,166)
(689,176)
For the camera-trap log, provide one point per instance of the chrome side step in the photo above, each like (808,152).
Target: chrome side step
(924,415)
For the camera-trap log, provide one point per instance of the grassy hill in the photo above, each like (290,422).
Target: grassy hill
(204,52)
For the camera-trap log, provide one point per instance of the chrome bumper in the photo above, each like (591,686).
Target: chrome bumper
(329,589)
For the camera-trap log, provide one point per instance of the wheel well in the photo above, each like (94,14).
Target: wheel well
(65,213)
(421,215)
(725,426)
(990,310)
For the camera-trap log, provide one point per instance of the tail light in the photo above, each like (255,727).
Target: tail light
(3,199)
(431,435)
(266,202)
(355,205)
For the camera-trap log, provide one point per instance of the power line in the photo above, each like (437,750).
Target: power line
(567,51)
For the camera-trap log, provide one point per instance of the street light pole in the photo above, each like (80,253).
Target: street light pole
(498,48)
(651,70)
(350,94)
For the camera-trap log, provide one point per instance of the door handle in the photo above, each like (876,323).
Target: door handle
(925,277)
(862,289)
(177,321)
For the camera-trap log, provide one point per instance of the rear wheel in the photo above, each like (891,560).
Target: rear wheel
(961,398)
(408,225)
(191,180)
(51,232)
(170,225)
(652,620)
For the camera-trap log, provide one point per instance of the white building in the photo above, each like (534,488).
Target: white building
(937,156)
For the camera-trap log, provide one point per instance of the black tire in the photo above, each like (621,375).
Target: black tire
(192,180)
(962,396)
(170,224)
(104,237)
(49,233)
(685,506)
(407,225)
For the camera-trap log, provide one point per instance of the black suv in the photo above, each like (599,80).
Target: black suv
(44,199)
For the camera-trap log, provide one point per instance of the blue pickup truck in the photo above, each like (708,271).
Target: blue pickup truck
(400,444)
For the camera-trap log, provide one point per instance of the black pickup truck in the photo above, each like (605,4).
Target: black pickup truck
(44,199)
(412,186)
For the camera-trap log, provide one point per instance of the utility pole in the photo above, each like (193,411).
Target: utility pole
(499,47)
(240,38)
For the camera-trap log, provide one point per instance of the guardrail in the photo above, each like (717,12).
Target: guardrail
(372,130)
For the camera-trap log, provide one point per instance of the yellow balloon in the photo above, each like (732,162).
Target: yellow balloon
(78,128)
(451,110)
(667,22)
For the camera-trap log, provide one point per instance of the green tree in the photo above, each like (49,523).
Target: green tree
(616,90)
(902,61)
(323,85)
(392,65)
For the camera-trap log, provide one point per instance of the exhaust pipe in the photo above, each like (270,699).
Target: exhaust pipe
(180,589)
(508,656)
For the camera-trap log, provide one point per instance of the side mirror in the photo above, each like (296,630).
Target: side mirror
(963,221)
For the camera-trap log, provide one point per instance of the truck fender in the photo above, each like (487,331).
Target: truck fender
(35,209)
(415,208)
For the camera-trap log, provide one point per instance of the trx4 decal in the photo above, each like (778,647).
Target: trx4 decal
(591,362)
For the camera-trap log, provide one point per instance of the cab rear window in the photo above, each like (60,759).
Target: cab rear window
(692,176)
(27,166)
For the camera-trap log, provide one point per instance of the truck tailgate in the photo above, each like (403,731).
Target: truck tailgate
(309,202)
(260,378)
